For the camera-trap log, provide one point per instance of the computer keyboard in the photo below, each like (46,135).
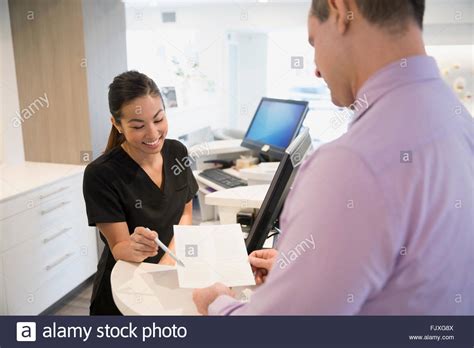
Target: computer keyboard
(221,178)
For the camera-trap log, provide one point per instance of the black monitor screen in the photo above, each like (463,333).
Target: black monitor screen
(276,123)
(279,188)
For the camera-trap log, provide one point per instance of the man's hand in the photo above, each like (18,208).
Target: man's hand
(262,262)
(204,297)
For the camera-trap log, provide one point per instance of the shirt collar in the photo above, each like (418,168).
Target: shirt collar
(401,72)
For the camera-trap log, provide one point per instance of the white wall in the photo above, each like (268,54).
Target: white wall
(11,139)
(449,22)
(106,53)
(204,29)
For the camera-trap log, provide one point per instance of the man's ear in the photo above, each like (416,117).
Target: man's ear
(342,14)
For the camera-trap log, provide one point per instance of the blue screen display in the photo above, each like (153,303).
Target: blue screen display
(275,123)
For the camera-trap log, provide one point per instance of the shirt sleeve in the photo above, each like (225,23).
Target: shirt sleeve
(102,200)
(336,250)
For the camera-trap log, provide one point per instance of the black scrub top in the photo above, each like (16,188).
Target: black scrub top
(117,189)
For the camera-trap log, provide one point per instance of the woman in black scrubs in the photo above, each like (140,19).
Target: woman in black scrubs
(134,185)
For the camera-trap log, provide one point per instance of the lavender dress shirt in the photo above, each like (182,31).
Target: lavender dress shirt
(381,220)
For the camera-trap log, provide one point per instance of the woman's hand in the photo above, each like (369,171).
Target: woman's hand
(142,244)
(167,260)
(134,247)
(262,262)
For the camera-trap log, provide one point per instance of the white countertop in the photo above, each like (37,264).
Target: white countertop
(149,289)
(16,179)
(217,147)
(261,172)
(241,197)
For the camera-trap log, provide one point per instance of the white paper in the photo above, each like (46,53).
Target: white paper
(211,254)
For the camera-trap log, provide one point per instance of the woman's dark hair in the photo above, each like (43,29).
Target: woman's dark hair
(123,89)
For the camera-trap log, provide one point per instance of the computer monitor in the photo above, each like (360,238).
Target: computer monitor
(274,125)
(273,203)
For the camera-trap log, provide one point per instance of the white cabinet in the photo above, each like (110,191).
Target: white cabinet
(46,247)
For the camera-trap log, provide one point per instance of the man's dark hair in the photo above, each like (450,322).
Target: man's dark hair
(391,14)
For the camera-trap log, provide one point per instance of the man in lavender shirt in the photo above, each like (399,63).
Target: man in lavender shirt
(379,221)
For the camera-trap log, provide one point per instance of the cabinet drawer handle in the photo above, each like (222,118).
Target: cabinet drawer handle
(56,235)
(58,261)
(44,212)
(54,192)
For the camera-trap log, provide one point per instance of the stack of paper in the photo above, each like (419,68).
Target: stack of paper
(212,254)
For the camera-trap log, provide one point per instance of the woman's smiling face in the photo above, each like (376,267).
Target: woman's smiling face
(144,124)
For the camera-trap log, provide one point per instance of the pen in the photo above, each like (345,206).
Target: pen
(168,251)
